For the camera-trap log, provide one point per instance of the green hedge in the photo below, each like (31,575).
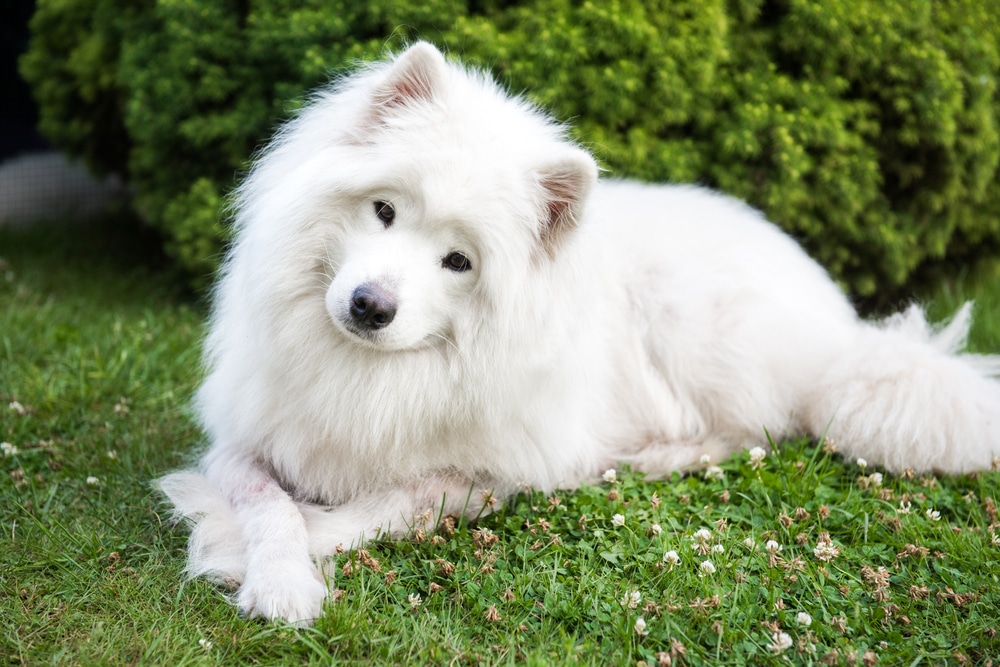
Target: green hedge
(866,128)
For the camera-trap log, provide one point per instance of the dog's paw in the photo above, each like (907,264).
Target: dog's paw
(288,591)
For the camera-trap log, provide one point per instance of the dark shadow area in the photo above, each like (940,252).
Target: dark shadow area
(18,115)
(114,255)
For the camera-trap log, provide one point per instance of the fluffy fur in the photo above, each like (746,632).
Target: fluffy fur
(590,323)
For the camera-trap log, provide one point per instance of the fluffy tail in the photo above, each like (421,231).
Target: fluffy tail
(902,397)
(216,548)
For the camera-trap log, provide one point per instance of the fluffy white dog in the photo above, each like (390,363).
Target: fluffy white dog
(431,296)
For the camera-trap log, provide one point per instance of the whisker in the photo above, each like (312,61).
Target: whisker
(450,342)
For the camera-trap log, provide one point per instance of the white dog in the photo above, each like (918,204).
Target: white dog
(432,297)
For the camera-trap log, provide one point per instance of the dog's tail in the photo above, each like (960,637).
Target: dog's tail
(216,548)
(903,397)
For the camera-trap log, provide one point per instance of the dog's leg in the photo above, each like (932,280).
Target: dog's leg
(659,459)
(395,513)
(281,581)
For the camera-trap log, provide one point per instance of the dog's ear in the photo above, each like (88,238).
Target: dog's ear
(565,185)
(414,76)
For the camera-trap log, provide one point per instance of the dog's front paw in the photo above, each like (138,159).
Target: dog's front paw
(290,591)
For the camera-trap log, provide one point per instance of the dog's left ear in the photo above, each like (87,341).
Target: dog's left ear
(565,185)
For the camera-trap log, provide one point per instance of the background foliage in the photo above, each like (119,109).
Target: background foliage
(867,129)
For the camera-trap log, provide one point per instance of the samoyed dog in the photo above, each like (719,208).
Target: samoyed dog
(432,301)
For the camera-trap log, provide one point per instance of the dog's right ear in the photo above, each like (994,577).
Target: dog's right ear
(414,77)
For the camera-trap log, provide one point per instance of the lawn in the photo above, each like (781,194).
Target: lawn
(797,557)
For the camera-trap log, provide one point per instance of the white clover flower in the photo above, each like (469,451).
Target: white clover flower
(631,600)
(9,449)
(996,539)
(706,568)
(933,514)
(705,459)
(772,547)
(17,407)
(93,481)
(113,455)
(700,541)
(204,643)
(826,551)
(415,600)
(862,463)
(780,642)
(640,627)
(804,619)
(757,456)
(618,520)
(904,507)
(656,529)
(715,472)
(749,543)
(671,557)
(875,479)
(718,549)
(610,476)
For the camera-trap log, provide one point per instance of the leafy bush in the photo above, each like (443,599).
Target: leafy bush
(868,129)
(72,66)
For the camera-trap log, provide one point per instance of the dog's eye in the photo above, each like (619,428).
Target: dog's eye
(385,212)
(456,261)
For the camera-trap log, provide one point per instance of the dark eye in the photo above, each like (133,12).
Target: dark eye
(456,261)
(385,212)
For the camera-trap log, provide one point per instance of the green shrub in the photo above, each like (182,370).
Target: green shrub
(867,129)
(72,67)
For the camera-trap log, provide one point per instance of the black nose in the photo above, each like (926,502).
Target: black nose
(373,307)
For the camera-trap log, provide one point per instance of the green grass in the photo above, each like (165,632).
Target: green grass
(101,355)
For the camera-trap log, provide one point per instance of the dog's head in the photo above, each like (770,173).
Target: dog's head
(459,188)
(429,194)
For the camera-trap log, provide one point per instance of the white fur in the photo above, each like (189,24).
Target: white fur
(600,322)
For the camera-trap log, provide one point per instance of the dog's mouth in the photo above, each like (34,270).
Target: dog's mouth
(385,339)
(370,338)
